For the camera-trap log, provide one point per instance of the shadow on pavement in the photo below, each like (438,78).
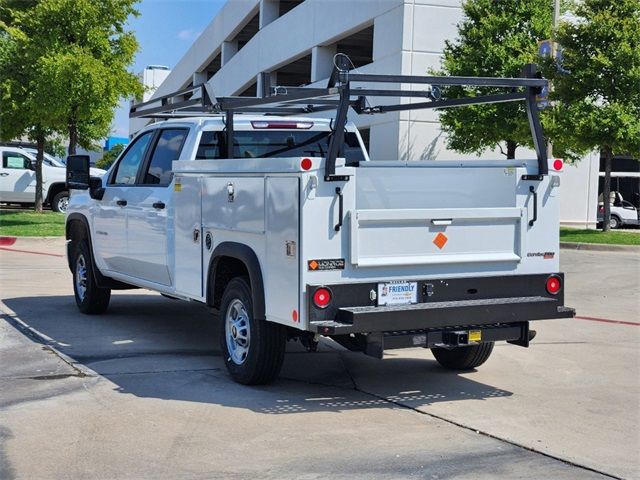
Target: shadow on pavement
(153,347)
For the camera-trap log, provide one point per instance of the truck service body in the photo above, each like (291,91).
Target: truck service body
(289,233)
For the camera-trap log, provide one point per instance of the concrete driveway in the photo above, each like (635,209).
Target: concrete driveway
(141,392)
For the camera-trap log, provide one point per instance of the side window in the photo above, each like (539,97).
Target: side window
(210,146)
(167,149)
(15,161)
(128,165)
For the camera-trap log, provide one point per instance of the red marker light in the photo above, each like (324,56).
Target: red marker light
(558,164)
(553,285)
(322,297)
(306,164)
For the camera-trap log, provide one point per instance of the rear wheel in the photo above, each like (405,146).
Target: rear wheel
(253,350)
(90,298)
(614,222)
(463,358)
(60,202)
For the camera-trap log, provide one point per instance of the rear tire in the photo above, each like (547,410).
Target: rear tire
(253,350)
(60,202)
(90,298)
(463,358)
(614,222)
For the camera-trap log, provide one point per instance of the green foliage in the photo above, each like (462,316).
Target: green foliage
(31,224)
(69,62)
(593,236)
(110,156)
(496,39)
(597,98)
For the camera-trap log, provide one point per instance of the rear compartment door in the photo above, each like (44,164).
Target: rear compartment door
(445,215)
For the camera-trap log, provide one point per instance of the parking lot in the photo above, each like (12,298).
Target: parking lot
(141,392)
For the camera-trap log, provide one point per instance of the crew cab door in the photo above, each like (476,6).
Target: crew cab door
(17,178)
(149,233)
(110,217)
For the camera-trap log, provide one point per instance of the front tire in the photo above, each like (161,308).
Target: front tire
(253,350)
(463,358)
(60,202)
(90,298)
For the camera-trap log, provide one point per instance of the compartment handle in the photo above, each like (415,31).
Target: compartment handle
(340,209)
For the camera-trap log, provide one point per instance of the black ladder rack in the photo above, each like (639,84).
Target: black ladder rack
(340,96)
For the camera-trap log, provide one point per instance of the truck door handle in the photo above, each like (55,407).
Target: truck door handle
(532,189)
(122,203)
(4,174)
(340,208)
(159,205)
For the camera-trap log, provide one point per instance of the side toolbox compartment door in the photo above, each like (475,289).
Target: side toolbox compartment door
(282,273)
(187,197)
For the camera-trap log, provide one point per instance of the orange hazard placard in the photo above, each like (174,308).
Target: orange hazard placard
(440,240)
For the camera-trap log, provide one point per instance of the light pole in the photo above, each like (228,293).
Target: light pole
(556,20)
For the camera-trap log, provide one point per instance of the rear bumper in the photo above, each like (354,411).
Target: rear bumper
(442,304)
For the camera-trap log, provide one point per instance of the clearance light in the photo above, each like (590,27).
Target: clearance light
(306,164)
(261,125)
(554,285)
(558,164)
(322,297)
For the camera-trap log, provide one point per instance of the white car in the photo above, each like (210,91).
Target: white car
(18,178)
(622,214)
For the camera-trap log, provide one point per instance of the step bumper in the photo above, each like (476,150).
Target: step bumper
(438,315)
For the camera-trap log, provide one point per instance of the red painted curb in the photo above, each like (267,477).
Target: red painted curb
(606,320)
(7,241)
(31,251)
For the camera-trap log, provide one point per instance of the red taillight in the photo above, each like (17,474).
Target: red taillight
(554,284)
(322,297)
(558,164)
(306,163)
(263,124)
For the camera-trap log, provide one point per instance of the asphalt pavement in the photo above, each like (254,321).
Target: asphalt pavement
(141,392)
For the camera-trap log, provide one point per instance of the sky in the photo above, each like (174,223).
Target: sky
(165,30)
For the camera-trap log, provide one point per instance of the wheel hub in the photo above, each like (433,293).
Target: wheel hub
(237,331)
(81,277)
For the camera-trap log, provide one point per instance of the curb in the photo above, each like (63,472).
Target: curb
(599,247)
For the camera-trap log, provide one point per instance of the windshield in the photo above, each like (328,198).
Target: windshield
(47,159)
(53,161)
(276,143)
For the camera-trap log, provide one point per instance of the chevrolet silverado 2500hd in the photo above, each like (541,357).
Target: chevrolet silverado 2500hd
(282,224)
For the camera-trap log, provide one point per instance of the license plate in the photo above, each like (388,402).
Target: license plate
(397,293)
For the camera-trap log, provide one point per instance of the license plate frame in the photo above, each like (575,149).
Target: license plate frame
(397,293)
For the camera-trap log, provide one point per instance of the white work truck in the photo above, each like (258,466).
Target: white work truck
(282,225)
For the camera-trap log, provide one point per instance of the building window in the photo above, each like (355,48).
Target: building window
(358,47)
(287,5)
(247,32)
(295,74)
(214,65)
(250,91)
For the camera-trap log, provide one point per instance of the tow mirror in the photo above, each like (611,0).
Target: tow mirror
(78,172)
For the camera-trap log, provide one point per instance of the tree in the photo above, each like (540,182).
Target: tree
(110,156)
(495,39)
(596,90)
(18,104)
(63,68)
(83,50)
